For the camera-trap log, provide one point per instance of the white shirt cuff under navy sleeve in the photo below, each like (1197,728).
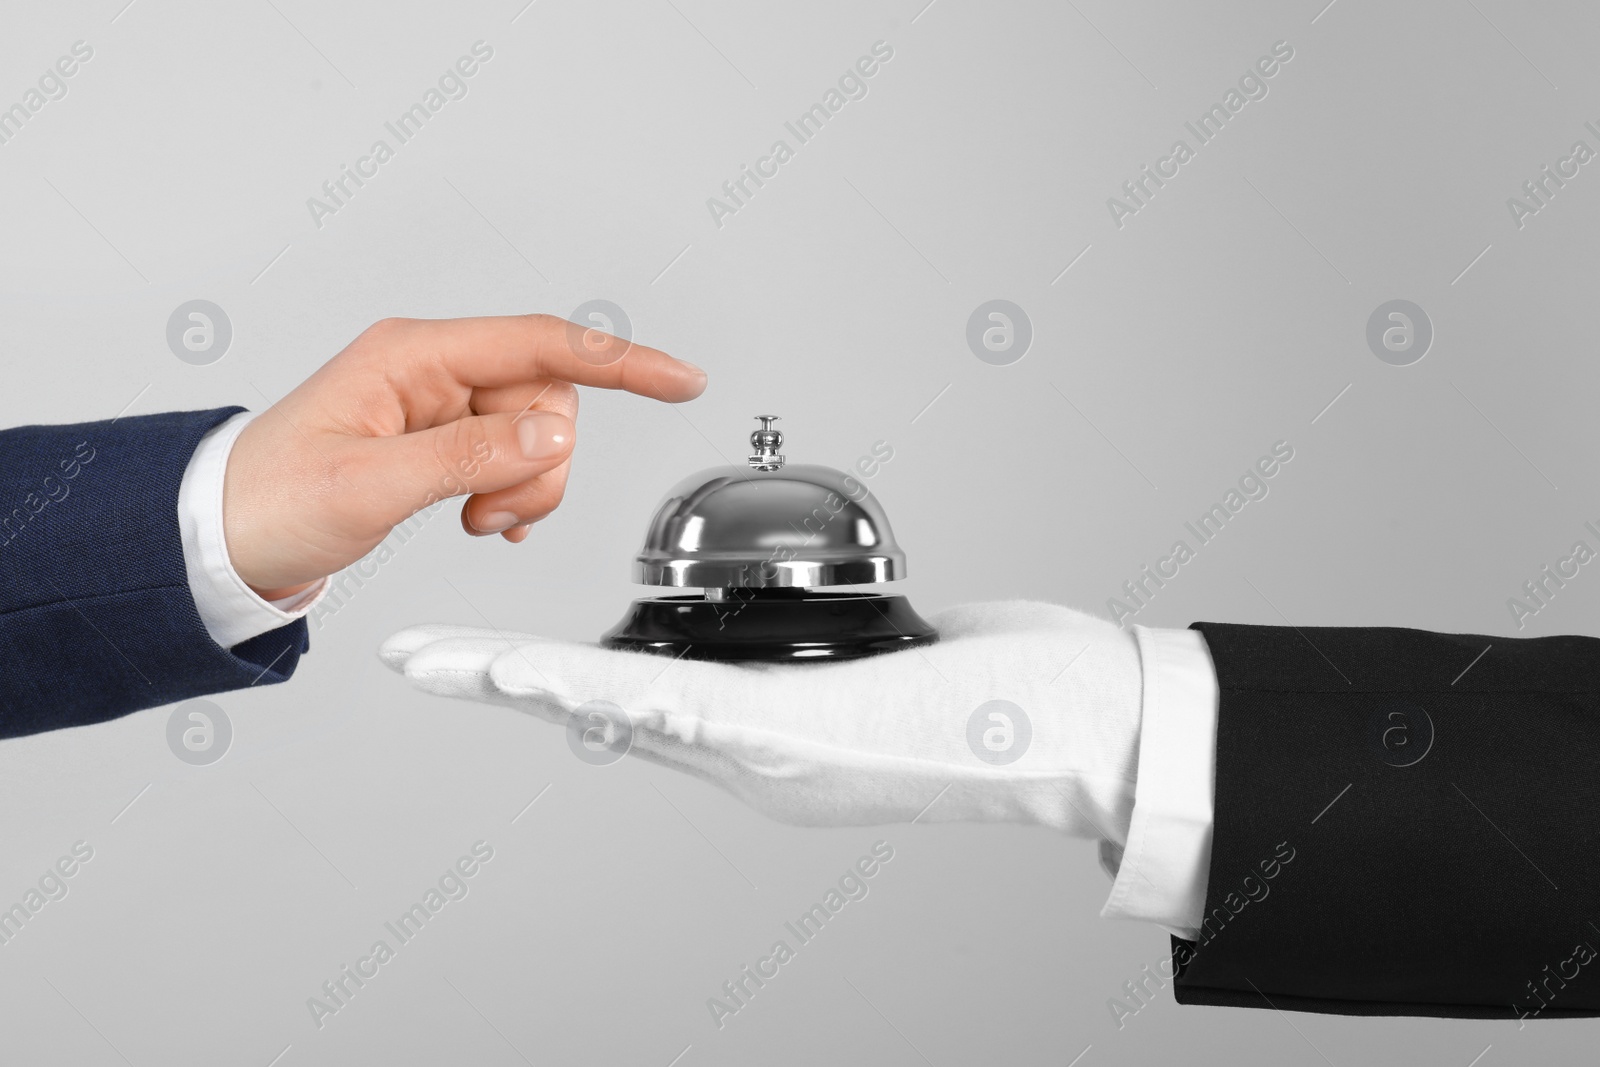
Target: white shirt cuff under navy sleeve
(231,611)
(1160,876)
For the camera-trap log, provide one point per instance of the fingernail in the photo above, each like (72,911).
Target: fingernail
(698,370)
(543,434)
(496,522)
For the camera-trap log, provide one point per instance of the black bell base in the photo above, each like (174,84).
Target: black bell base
(771,625)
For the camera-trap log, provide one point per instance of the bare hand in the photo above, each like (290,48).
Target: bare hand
(417,411)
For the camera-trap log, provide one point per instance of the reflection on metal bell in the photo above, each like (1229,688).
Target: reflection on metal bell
(761,541)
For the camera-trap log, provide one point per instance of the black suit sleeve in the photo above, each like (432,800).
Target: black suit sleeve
(96,617)
(1406,824)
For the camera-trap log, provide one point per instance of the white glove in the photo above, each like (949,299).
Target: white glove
(913,734)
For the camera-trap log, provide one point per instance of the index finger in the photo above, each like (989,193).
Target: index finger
(501,350)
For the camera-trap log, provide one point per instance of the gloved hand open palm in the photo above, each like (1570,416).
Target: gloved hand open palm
(1022,712)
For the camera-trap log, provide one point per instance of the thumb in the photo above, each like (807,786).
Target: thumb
(475,454)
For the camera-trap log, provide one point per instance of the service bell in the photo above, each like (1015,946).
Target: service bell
(762,541)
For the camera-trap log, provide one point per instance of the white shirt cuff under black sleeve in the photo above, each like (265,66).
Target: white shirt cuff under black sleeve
(1160,876)
(231,611)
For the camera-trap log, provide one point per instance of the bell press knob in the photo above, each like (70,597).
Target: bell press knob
(766,442)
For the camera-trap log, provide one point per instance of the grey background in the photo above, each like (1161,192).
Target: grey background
(1225,316)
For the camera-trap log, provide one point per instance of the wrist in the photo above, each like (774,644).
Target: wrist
(281,594)
(233,607)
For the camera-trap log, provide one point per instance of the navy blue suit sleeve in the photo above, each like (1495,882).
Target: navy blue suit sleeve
(96,616)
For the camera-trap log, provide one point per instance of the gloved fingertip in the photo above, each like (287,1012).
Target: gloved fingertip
(397,648)
(401,646)
(516,672)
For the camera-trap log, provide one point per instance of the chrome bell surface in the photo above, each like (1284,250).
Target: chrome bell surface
(760,539)
(769,525)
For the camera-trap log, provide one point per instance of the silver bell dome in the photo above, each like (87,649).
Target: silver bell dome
(770,524)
